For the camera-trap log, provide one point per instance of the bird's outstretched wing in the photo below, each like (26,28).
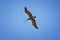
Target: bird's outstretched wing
(27,12)
(34,23)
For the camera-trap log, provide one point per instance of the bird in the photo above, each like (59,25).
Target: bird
(31,17)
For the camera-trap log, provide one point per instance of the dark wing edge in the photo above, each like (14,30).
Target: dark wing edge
(27,12)
(34,23)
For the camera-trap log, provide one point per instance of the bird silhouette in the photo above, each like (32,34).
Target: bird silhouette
(31,17)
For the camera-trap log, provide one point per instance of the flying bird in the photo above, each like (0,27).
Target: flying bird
(31,17)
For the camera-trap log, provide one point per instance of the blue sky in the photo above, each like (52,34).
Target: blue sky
(12,17)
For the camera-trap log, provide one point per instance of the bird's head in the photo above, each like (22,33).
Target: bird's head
(34,16)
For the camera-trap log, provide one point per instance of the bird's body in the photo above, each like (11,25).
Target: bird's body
(32,18)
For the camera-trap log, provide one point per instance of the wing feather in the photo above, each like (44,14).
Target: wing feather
(34,23)
(28,12)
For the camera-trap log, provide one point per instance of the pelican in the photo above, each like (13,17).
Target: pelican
(31,17)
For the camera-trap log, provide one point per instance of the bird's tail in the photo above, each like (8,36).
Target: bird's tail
(25,20)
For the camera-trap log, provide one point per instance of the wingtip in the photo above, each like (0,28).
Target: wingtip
(25,7)
(36,27)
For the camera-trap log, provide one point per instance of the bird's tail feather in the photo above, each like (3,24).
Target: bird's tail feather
(25,20)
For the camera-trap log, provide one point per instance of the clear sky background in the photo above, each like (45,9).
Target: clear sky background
(12,17)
